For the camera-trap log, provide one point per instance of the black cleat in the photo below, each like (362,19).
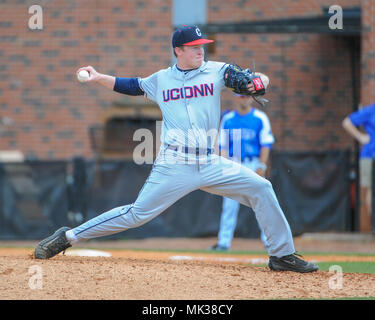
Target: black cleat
(218,247)
(291,263)
(53,245)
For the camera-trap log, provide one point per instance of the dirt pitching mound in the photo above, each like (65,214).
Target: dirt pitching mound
(147,275)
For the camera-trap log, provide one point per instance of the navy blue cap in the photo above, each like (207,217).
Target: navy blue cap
(188,36)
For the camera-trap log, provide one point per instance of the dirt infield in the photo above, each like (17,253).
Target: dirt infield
(152,275)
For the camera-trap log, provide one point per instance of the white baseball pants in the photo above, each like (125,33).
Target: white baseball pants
(168,182)
(229,214)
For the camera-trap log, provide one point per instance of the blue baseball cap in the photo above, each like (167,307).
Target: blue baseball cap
(188,36)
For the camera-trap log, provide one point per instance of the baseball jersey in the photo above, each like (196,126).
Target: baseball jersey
(366,118)
(189,102)
(246,134)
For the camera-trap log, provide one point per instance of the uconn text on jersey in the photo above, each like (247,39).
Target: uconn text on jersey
(188,92)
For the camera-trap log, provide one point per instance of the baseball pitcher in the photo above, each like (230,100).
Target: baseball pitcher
(188,94)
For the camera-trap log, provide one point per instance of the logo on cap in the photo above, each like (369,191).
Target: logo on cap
(188,36)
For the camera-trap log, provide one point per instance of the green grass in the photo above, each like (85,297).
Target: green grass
(316,253)
(242,252)
(349,267)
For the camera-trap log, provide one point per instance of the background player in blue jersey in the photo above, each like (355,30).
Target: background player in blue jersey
(188,94)
(246,137)
(365,118)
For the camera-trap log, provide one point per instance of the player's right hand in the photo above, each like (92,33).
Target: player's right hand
(364,138)
(261,172)
(94,75)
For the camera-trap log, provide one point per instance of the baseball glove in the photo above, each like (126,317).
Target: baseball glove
(238,79)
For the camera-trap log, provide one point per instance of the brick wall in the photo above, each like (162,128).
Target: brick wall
(245,10)
(51,110)
(310,74)
(368,53)
(310,91)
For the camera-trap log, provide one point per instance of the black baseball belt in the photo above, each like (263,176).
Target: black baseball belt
(193,151)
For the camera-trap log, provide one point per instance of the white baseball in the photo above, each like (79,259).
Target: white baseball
(83,76)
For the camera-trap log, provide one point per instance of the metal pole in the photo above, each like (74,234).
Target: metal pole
(354,48)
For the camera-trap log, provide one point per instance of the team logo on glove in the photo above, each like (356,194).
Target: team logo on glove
(258,84)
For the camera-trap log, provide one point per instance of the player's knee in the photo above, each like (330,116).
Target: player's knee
(136,217)
(141,214)
(265,185)
(131,213)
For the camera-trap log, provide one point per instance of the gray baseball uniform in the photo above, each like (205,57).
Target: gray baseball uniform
(190,105)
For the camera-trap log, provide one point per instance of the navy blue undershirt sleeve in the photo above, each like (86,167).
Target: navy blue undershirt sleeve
(129,86)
